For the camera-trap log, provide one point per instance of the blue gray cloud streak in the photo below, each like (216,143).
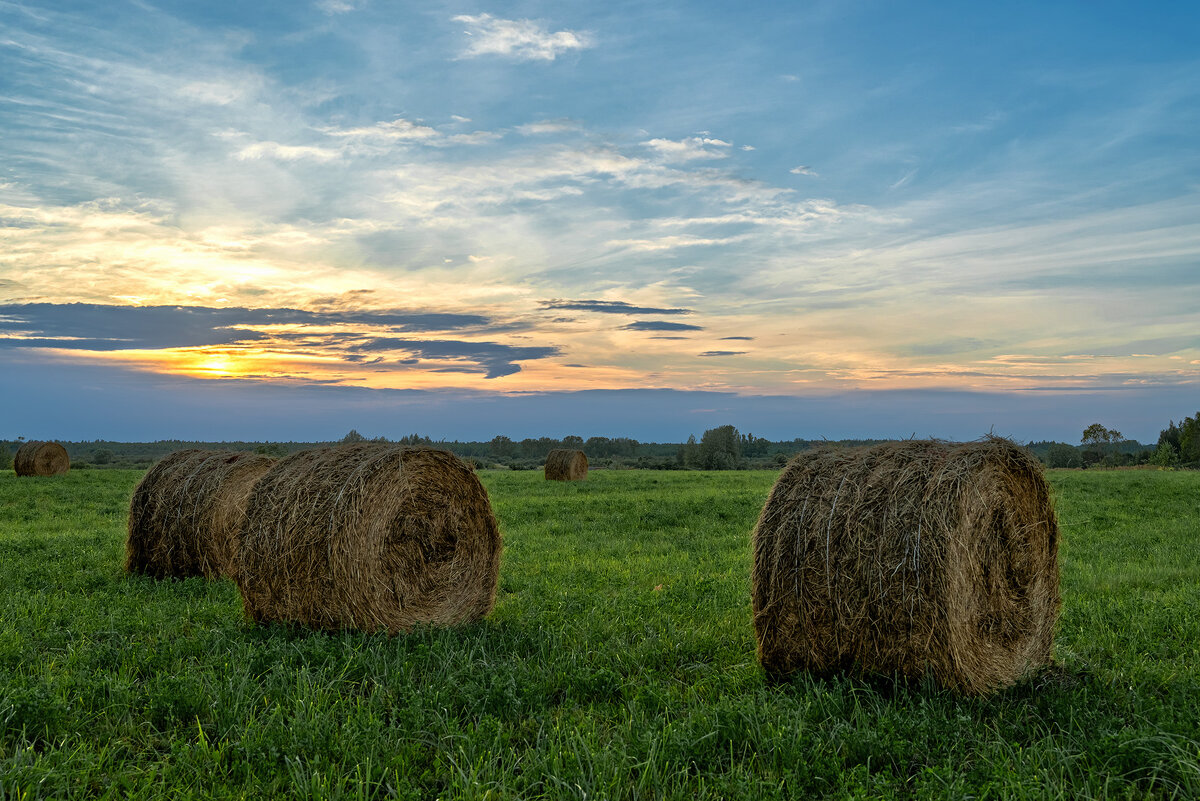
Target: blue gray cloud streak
(659,325)
(609,307)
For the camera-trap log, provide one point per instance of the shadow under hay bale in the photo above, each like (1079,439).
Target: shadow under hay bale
(369,536)
(917,558)
(566,465)
(187,514)
(41,459)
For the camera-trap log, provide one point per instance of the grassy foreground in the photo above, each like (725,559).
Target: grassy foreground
(619,663)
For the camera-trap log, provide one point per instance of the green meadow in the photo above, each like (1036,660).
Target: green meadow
(618,663)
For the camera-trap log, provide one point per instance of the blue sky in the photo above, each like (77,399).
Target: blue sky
(806,219)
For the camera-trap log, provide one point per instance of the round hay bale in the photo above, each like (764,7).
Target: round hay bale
(913,558)
(41,459)
(369,536)
(187,514)
(566,465)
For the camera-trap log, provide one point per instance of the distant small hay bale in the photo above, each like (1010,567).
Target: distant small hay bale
(566,465)
(369,536)
(913,558)
(41,459)
(187,514)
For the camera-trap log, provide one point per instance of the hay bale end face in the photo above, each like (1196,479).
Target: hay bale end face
(41,459)
(370,536)
(186,515)
(566,465)
(913,558)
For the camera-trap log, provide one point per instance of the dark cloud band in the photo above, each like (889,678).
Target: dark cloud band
(91,326)
(608,307)
(492,358)
(659,325)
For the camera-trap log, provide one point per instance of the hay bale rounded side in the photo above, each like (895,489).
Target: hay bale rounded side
(369,536)
(41,459)
(914,558)
(186,515)
(566,465)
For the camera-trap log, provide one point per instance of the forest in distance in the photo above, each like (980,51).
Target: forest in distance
(720,448)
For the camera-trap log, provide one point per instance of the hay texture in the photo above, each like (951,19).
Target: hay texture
(370,536)
(917,558)
(566,465)
(186,515)
(41,459)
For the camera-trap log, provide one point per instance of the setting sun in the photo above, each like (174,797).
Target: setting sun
(221,365)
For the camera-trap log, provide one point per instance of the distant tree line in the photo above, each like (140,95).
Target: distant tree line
(720,448)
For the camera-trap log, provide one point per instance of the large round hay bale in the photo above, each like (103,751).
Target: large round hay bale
(186,515)
(41,459)
(913,558)
(369,536)
(566,465)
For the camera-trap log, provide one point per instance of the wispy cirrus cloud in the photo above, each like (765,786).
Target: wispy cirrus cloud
(518,39)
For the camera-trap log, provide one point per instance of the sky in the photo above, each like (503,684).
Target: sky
(284,220)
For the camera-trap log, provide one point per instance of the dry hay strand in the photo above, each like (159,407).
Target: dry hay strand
(370,536)
(41,459)
(566,465)
(187,514)
(916,558)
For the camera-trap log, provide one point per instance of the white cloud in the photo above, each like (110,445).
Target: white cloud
(546,127)
(671,242)
(693,147)
(520,39)
(402,130)
(474,138)
(274,150)
(396,130)
(803,169)
(215,92)
(337,6)
(988,123)
(908,176)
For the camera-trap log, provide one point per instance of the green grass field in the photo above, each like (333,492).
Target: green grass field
(618,663)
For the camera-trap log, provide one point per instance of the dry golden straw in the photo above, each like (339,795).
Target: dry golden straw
(566,465)
(187,514)
(913,558)
(370,536)
(41,459)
